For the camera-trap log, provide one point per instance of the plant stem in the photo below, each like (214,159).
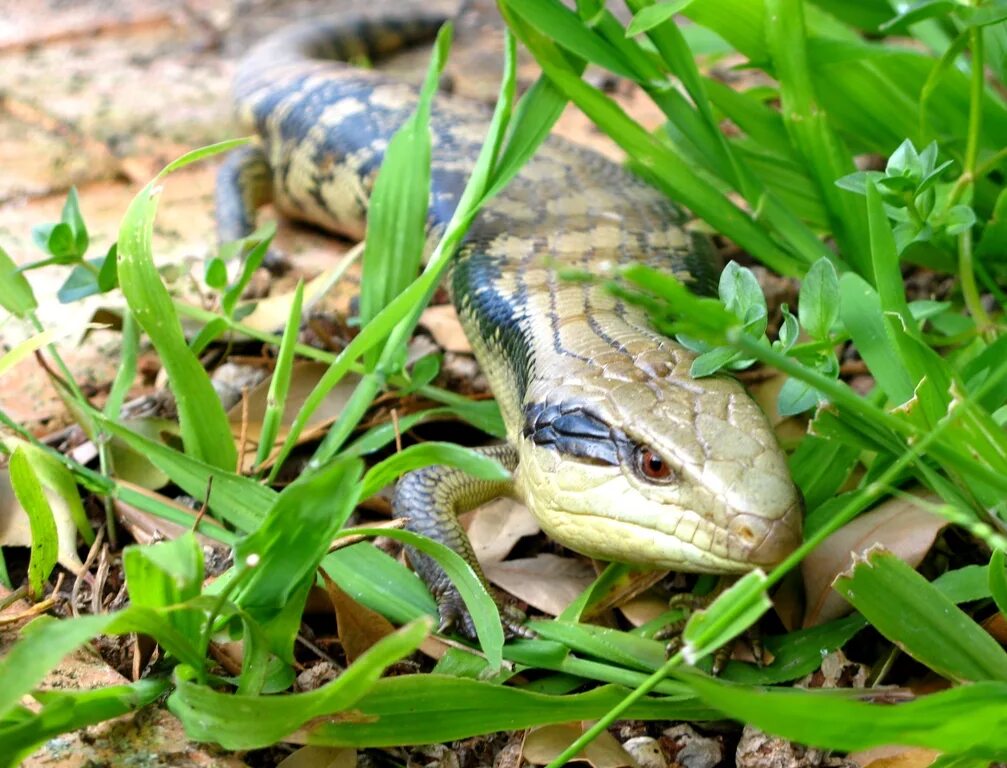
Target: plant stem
(966,267)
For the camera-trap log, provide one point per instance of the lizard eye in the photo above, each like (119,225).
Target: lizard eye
(653,467)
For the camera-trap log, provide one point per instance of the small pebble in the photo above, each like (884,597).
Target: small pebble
(693,749)
(646,751)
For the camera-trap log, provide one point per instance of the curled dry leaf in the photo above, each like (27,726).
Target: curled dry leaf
(900,525)
(359,627)
(545,744)
(146,528)
(894,757)
(303,378)
(271,313)
(496,527)
(547,582)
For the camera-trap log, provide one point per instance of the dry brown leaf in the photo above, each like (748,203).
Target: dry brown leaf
(442,322)
(545,744)
(359,627)
(496,527)
(644,608)
(321,757)
(303,378)
(996,625)
(547,582)
(894,757)
(146,528)
(271,313)
(629,586)
(15,531)
(899,525)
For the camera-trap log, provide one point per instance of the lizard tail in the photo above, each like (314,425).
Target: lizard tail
(348,38)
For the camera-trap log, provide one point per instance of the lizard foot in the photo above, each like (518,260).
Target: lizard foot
(454,615)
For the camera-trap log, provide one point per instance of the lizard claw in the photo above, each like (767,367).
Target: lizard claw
(454,615)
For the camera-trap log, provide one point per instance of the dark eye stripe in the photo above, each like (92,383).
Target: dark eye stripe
(573,430)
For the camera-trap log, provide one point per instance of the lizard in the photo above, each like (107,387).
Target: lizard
(617,451)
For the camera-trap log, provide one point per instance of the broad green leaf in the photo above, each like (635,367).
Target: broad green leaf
(81,282)
(16,295)
(380,582)
(71,216)
(796,654)
(108,272)
(796,397)
(912,613)
(885,261)
(820,467)
(57,240)
(710,362)
(274,561)
(164,574)
(998,580)
(861,312)
(44,542)
(55,477)
(610,645)
(238,500)
(818,305)
(457,708)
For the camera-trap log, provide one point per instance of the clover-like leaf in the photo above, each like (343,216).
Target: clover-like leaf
(818,305)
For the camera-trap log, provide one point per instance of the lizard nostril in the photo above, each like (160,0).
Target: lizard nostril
(778,539)
(745,533)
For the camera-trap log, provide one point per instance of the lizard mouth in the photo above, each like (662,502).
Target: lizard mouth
(634,543)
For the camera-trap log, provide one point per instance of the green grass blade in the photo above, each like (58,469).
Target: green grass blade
(471,462)
(666,169)
(233,498)
(377,580)
(204,426)
(239,721)
(44,540)
(16,295)
(809,128)
(477,600)
(969,719)
(397,208)
(912,613)
(456,708)
(279,385)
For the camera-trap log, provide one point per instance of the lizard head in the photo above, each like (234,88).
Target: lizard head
(640,463)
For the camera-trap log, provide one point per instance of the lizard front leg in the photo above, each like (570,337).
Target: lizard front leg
(430,501)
